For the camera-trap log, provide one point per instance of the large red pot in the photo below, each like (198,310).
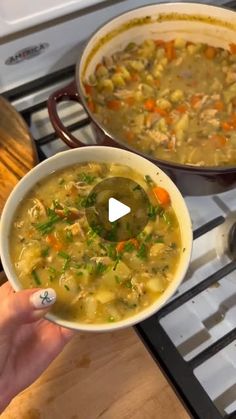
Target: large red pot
(195,22)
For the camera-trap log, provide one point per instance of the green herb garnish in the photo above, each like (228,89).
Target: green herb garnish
(100,268)
(128,284)
(142,252)
(159,239)
(154,211)
(69,236)
(61,181)
(66,287)
(118,279)
(45,251)
(89,201)
(129,247)
(36,277)
(64,255)
(48,226)
(86,178)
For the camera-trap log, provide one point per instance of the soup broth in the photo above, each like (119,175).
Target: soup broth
(97,281)
(173,100)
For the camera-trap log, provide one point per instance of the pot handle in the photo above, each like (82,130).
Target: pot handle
(66,93)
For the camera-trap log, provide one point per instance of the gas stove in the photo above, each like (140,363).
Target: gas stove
(193,337)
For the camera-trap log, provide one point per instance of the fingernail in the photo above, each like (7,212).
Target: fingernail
(43,298)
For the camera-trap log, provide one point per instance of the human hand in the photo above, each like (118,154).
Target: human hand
(28,343)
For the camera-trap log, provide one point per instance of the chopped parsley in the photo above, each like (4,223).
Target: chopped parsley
(86,178)
(69,236)
(63,255)
(61,181)
(89,201)
(129,247)
(36,278)
(142,252)
(154,211)
(100,268)
(128,284)
(48,226)
(45,251)
(66,287)
(118,279)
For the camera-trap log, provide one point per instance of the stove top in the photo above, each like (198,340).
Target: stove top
(193,338)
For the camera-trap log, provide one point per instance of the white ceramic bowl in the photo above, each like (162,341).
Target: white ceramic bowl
(109,155)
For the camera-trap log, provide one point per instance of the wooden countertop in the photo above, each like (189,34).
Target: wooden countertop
(100,376)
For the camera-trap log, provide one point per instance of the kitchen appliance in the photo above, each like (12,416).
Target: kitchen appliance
(193,338)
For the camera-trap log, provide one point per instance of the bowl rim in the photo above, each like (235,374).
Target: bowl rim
(97,153)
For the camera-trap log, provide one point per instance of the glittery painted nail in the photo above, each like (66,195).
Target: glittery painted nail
(43,298)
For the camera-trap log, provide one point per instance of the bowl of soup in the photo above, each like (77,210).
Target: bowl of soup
(162,83)
(47,239)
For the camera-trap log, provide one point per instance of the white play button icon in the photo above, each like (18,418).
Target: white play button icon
(116,209)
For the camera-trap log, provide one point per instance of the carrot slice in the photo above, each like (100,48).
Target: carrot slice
(232,48)
(195,99)
(121,245)
(162,112)
(53,241)
(226,126)
(169,120)
(129,135)
(130,101)
(218,140)
(233,120)
(219,105)
(88,89)
(161,195)
(210,52)
(157,83)
(170,50)
(114,104)
(182,108)
(135,77)
(149,105)
(159,42)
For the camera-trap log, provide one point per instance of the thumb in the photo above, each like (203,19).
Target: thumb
(25,307)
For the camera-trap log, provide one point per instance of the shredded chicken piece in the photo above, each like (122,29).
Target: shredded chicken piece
(81,294)
(19,224)
(208,114)
(158,137)
(82,187)
(216,96)
(230,78)
(178,61)
(138,286)
(123,93)
(101,259)
(37,210)
(214,122)
(75,229)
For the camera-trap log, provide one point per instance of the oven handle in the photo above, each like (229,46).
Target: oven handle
(66,93)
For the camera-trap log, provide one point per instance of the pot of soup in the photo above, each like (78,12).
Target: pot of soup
(161,81)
